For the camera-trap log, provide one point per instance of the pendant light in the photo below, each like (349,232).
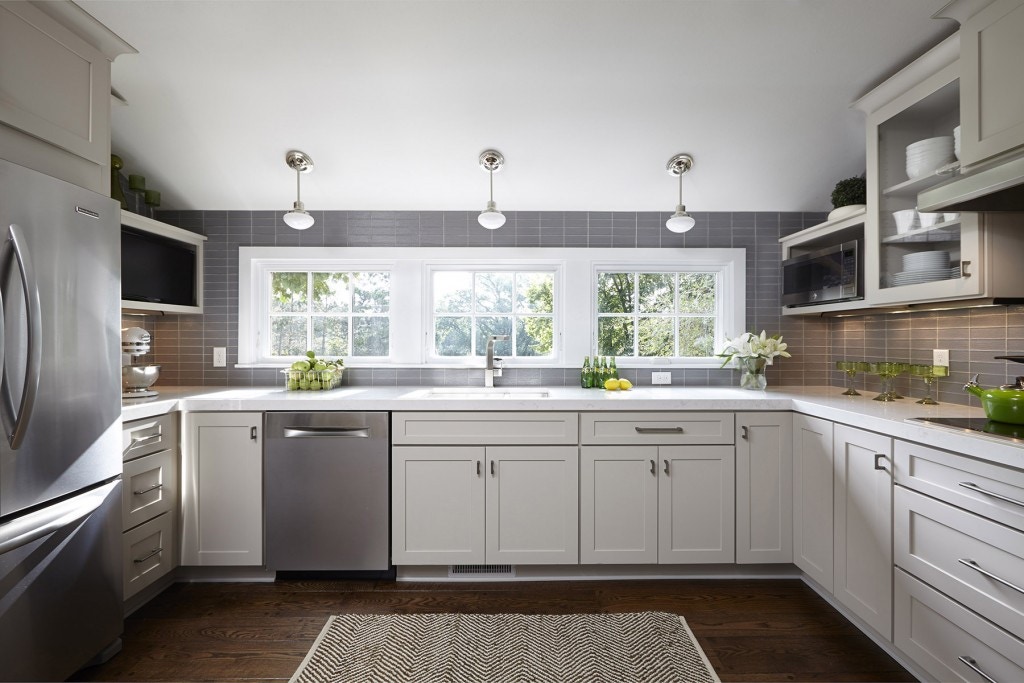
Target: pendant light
(492,219)
(298,217)
(680,221)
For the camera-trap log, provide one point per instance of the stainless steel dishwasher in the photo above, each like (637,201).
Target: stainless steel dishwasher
(326,491)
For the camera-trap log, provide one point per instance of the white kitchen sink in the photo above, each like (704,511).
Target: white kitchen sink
(474,393)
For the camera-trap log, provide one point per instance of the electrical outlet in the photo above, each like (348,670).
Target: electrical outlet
(940,357)
(220,357)
(661,378)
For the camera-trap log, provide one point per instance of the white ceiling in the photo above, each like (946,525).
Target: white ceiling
(587,99)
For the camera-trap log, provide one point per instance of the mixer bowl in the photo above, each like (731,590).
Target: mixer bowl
(138,377)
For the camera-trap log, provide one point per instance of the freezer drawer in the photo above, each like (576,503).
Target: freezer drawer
(326,491)
(61,569)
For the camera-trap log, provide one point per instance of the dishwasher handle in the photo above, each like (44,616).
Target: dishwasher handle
(334,432)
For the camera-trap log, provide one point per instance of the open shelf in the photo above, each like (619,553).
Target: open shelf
(915,232)
(910,188)
(816,234)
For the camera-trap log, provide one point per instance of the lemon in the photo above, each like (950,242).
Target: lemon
(611,384)
(625,384)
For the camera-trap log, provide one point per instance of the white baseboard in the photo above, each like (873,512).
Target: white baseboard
(610,572)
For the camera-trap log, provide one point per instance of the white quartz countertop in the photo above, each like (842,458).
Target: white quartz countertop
(825,402)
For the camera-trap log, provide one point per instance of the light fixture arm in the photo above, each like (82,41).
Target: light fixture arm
(491,160)
(680,221)
(298,217)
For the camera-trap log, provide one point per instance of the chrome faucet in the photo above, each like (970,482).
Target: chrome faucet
(493,368)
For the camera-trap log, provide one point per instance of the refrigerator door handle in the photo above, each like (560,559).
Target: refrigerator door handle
(33,320)
(23,531)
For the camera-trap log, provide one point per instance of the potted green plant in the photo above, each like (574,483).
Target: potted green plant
(849,197)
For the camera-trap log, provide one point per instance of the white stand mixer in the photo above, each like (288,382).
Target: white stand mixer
(136,380)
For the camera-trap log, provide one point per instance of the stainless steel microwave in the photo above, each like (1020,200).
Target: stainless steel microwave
(824,276)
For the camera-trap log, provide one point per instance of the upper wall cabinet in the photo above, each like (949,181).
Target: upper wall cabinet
(991,59)
(55,91)
(914,257)
(161,267)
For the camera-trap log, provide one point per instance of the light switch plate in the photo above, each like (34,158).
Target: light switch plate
(220,357)
(661,378)
(940,357)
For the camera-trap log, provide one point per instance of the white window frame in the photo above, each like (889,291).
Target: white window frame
(553,266)
(729,310)
(575,322)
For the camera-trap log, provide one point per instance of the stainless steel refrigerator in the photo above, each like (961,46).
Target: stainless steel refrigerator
(60,409)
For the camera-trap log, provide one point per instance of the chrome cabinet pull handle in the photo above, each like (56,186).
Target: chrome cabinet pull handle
(252,433)
(666,467)
(965,273)
(492,468)
(154,487)
(654,469)
(744,432)
(879,459)
(973,665)
(658,430)
(978,568)
(151,553)
(971,486)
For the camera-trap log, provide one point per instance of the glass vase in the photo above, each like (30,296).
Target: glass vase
(752,373)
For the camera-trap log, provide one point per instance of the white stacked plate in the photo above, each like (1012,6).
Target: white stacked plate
(933,261)
(956,142)
(916,277)
(925,156)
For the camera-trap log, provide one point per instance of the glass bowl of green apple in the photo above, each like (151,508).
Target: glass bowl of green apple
(313,374)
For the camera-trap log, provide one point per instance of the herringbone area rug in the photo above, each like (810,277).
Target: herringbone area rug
(651,647)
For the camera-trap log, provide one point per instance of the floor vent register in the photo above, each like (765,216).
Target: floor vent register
(482,571)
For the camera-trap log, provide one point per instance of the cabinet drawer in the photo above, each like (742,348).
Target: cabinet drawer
(150,487)
(148,552)
(485,429)
(142,437)
(937,632)
(934,541)
(991,490)
(656,428)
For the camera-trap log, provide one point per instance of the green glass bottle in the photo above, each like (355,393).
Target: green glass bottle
(614,371)
(602,374)
(586,374)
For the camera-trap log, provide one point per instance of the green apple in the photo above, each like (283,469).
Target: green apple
(302,365)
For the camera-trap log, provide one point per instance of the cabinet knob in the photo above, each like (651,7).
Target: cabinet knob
(252,434)
(879,462)
(963,269)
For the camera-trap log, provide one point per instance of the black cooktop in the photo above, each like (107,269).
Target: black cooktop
(980,425)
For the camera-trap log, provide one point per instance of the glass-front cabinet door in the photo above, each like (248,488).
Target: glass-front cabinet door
(914,256)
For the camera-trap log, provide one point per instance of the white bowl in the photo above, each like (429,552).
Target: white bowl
(940,142)
(950,217)
(929,219)
(904,220)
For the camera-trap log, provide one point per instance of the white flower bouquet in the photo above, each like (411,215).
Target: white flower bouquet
(749,345)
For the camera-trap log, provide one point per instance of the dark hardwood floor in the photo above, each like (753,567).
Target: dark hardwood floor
(768,630)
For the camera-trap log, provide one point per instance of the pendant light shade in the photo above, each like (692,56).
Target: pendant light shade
(490,218)
(680,221)
(298,218)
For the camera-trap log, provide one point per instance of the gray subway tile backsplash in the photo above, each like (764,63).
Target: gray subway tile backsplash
(182,344)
